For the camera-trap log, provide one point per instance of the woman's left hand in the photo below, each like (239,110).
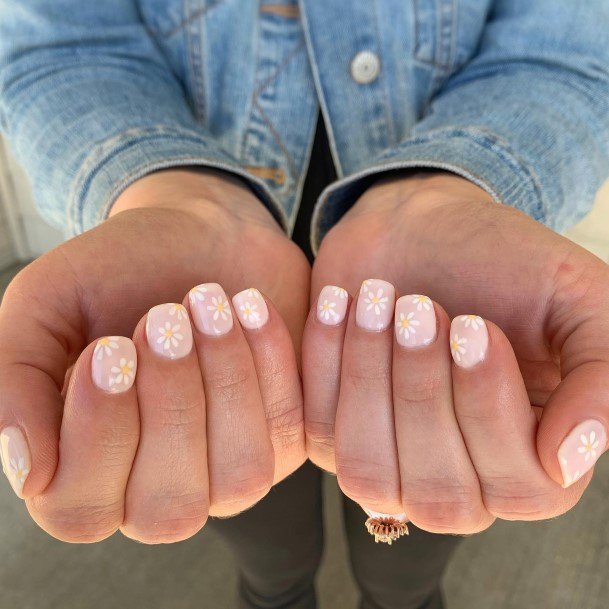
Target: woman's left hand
(448,442)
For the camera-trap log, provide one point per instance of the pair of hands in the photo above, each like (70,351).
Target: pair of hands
(406,430)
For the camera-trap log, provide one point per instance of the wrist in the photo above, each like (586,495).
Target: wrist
(204,193)
(426,189)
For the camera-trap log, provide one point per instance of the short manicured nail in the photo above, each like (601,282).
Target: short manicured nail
(114,364)
(581,449)
(332,305)
(168,331)
(399,517)
(15,454)
(210,309)
(251,309)
(415,321)
(375,304)
(468,340)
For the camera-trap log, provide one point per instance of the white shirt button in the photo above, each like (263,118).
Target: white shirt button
(365,67)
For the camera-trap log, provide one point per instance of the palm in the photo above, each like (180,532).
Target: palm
(471,256)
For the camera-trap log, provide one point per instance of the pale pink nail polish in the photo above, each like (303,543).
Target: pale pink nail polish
(251,309)
(114,364)
(375,304)
(168,331)
(581,449)
(468,340)
(332,305)
(415,321)
(15,455)
(210,309)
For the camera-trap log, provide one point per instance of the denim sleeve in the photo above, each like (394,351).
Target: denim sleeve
(89,104)
(527,118)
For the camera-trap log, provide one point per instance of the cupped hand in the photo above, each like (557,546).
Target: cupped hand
(117,417)
(454,442)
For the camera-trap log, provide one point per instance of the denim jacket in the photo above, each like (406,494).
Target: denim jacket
(511,94)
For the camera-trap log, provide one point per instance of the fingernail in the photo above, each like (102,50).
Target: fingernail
(168,331)
(581,449)
(415,321)
(332,305)
(210,309)
(15,455)
(251,309)
(375,304)
(468,340)
(400,517)
(114,364)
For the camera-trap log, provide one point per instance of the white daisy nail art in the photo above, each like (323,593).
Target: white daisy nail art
(422,302)
(249,312)
(475,321)
(170,336)
(456,347)
(220,308)
(327,310)
(340,292)
(105,346)
(406,324)
(199,292)
(178,310)
(589,445)
(377,302)
(123,374)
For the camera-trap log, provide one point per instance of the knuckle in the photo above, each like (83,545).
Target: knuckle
(171,519)
(179,412)
(424,392)
(76,523)
(515,500)
(240,488)
(365,371)
(444,508)
(285,420)
(374,487)
(230,381)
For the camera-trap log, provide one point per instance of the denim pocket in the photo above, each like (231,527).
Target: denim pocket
(434,32)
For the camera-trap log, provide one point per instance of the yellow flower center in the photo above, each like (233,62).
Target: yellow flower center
(375,299)
(104,342)
(168,333)
(454,345)
(125,369)
(220,307)
(405,323)
(326,306)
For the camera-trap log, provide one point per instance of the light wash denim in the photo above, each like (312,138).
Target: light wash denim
(512,94)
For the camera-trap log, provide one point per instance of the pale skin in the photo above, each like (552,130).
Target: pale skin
(453,448)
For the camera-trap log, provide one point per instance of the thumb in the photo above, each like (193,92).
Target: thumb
(36,341)
(572,433)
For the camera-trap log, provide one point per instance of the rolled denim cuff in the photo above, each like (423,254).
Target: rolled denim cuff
(477,155)
(121,160)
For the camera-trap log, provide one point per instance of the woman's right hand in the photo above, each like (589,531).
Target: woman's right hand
(148,435)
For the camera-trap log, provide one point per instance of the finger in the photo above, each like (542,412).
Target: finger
(322,346)
(278,378)
(239,450)
(36,343)
(99,436)
(573,428)
(167,498)
(366,453)
(499,424)
(440,488)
